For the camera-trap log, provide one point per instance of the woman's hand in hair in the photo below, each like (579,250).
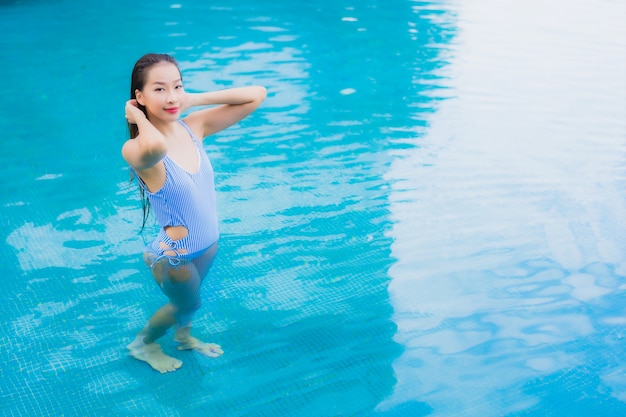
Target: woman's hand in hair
(133,113)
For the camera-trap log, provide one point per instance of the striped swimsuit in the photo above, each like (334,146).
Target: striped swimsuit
(186,199)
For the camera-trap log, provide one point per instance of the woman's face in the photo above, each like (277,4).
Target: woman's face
(163,93)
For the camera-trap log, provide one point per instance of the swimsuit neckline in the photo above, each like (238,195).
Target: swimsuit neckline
(195,145)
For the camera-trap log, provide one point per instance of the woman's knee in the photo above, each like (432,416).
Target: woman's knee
(189,304)
(184,314)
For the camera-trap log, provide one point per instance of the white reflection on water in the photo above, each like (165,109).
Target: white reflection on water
(509,220)
(78,238)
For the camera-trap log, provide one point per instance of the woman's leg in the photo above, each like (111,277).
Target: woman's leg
(144,347)
(183,336)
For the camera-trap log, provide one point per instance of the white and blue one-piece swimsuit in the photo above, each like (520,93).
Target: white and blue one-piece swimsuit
(186,199)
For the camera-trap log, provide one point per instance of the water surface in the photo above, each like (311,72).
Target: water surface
(426,216)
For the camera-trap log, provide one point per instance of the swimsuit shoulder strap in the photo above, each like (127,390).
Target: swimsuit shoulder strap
(195,139)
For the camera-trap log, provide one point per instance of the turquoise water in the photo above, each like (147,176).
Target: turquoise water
(425,218)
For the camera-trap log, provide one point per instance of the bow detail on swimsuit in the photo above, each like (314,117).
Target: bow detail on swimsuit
(173,260)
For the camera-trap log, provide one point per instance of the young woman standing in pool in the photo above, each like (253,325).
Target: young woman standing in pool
(174,173)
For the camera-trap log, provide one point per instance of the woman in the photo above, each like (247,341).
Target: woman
(176,177)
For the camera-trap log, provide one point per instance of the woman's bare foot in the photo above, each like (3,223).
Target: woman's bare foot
(151,354)
(188,342)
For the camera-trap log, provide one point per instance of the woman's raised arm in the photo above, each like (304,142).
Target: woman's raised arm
(233,105)
(149,147)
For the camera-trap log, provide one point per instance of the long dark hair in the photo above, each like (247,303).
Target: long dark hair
(137,82)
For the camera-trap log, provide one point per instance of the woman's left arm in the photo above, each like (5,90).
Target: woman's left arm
(232,105)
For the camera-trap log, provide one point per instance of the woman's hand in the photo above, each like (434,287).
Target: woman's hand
(185,101)
(133,113)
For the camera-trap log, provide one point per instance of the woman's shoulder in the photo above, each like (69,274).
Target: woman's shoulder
(193,127)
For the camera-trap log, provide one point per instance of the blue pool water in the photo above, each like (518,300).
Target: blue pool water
(427,216)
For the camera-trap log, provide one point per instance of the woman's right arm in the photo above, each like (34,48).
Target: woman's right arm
(149,146)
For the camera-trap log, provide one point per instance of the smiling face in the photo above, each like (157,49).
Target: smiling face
(162,93)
